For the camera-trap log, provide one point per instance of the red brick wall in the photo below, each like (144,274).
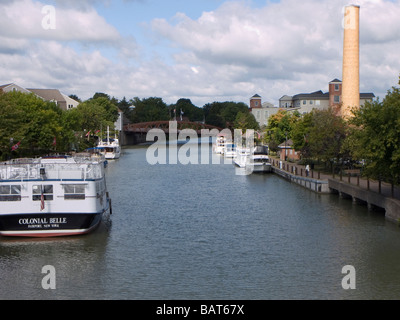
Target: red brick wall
(333,93)
(253,103)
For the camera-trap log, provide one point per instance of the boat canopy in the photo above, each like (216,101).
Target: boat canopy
(260,150)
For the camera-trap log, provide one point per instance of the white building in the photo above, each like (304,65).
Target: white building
(12,87)
(54,95)
(262,111)
(306,102)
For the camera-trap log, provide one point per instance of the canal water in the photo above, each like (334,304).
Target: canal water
(205,232)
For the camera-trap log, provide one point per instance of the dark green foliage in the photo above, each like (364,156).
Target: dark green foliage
(223,114)
(375,137)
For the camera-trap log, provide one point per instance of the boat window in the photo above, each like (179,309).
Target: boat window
(74,192)
(10,193)
(46,190)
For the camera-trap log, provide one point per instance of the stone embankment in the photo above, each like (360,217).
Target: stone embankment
(374,194)
(291,173)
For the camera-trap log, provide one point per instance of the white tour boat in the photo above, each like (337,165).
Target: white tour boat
(52,196)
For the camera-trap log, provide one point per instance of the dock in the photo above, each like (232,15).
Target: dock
(375,195)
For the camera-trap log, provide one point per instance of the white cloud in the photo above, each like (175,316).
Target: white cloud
(238,34)
(23,20)
(227,54)
(72,57)
(287,42)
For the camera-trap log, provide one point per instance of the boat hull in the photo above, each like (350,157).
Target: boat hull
(48,225)
(112,155)
(258,168)
(262,168)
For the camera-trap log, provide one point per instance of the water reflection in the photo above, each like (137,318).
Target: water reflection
(76,259)
(202,232)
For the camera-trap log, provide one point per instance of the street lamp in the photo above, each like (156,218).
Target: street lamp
(285,146)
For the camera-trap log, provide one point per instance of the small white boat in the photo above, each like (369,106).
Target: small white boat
(258,161)
(52,196)
(109,147)
(229,150)
(219,144)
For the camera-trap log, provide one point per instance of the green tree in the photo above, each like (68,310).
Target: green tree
(223,114)
(280,126)
(246,120)
(189,110)
(126,107)
(212,113)
(375,136)
(72,134)
(11,131)
(320,135)
(149,109)
(301,134)
(231,110)
(75,97)
(110,108)
(326,136)
(35,123)
(92,116)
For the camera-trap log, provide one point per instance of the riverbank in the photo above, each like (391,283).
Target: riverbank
(316,185)
(375,194)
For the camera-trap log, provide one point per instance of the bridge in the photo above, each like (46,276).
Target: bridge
(136,132)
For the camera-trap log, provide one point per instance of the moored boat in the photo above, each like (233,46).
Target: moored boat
(52,196)
(258,161)
(229,150)
(110,147)
(219,144)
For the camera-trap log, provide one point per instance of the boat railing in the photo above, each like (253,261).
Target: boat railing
(79,169)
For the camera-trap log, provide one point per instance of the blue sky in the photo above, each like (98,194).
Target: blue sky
(204,50)
(133,17)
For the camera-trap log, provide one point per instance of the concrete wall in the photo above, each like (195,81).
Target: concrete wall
(319,186)
(390,205)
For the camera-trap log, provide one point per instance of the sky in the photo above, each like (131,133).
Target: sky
(202,50)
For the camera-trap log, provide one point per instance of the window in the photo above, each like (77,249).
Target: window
(74,192)
(336,99)
(46,190)
(311,102)
(256,103)
(10,193)
(317,102)
(336,87)
(304,102)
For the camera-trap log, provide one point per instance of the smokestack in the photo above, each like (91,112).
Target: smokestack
(351,60)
